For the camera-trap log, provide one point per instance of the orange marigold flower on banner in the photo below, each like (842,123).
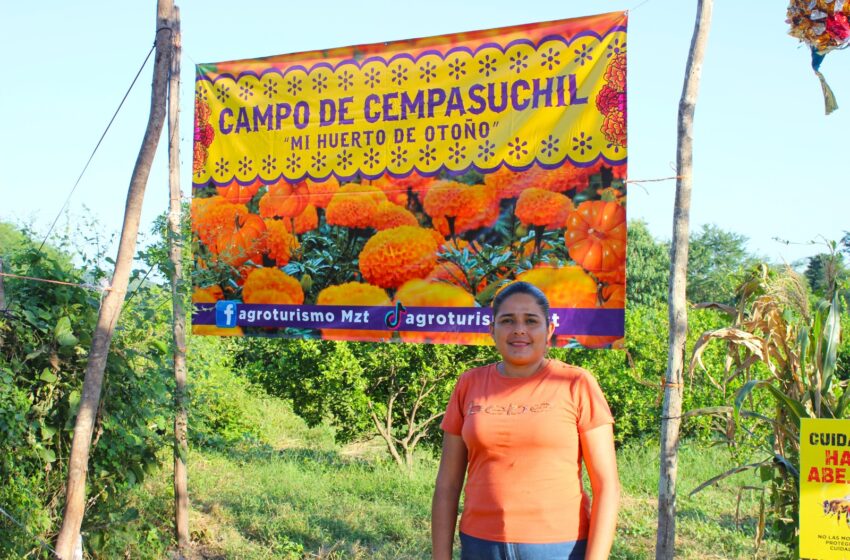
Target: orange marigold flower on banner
(615,73)
(438,238)
(272,285)
(239,194)
(207,294)
(202,225)
(559,179)
(417,183)
(280,243)
(202,110)
(392,189)
(393,256)
(614,127)
(199,156)
(538,207)
(449,199)
(284,200)
(389,215)
(308,220)
(422,293)
(569,286)
(376,194)
(354,293)
(596,235)
(354,206)
(321,193)
(506,183)
(244,271)
(212,330)
(484,205)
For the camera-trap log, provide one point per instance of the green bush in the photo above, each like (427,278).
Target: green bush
(222,408)
(631,379)
(335,381)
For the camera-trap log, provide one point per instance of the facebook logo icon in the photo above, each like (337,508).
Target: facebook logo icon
(225,313)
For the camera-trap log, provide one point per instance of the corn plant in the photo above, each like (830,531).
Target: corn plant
(782,348)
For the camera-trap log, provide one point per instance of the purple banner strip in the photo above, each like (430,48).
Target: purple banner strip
(568,321)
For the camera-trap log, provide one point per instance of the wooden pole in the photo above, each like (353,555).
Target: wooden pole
(671,417)
(110,309)
(181,421)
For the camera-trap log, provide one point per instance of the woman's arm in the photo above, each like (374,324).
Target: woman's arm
(597,446)
(447,496)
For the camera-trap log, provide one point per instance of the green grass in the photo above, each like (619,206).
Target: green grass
(301,496)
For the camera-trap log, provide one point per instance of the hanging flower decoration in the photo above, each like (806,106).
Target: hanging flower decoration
(824,26)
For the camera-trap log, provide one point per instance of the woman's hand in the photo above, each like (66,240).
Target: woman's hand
(447,496)
(597,446)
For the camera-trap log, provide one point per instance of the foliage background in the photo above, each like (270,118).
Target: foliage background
(43,345)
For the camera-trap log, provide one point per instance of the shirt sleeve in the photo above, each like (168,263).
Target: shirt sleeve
(591,406)
(453,418)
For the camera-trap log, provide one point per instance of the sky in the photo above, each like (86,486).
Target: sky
(768,164)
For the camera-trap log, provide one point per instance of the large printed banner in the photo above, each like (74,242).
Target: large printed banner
(824,489)
(387,191)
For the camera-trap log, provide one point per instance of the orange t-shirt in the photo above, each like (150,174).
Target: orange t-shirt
(524,457)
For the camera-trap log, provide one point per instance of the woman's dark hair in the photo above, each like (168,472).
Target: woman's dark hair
(522,288)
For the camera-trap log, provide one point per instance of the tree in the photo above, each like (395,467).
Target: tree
(395,391)
(717,261)
(648,263)
(826,271)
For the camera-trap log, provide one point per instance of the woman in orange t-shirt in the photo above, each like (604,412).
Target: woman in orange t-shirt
(518,431)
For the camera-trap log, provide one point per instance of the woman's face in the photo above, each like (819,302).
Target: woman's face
(520,330)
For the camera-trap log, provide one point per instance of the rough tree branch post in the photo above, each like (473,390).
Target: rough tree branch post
(72,519)
(671,416)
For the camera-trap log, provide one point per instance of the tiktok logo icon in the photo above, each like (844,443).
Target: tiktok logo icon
(393,318)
